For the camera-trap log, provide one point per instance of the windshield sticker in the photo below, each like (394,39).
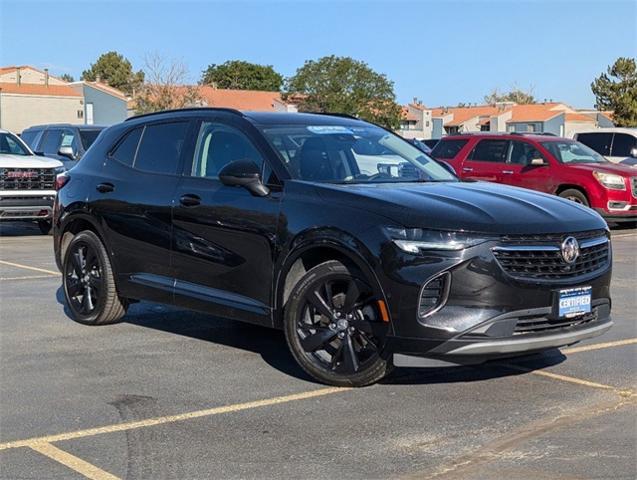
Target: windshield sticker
(330,130)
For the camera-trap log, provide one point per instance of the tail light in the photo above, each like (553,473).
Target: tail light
(61,180)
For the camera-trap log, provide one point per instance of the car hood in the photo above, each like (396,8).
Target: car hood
(470,206)
(27,161)
(615,168)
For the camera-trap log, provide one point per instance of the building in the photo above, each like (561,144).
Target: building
(30,96)
(416,121)
(249,100)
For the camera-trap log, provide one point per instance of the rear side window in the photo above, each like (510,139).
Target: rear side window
(88,137)
(598,141)
(161,147)
(448,148)
(522,153)
(127,148)
(490,151)
(623,144)
(52,141)
(29,137)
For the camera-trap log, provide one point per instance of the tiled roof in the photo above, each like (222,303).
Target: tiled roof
(538,112)
(254,100)
(33,89)
(407,115)
(104,87)
(578,117)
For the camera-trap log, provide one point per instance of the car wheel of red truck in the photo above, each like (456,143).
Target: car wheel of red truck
(575,196)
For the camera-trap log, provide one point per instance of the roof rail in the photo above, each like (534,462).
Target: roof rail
(546,134)
(190,109)
(344,115)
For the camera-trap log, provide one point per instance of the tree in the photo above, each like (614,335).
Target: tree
(117,71)
(165,87)
(344,85)
(616,90)
(240,75)
(67,77)
(516,95)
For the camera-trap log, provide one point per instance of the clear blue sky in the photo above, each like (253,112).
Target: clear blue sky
(443,52)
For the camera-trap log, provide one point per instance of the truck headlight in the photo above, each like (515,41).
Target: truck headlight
(414,240)
(610,180)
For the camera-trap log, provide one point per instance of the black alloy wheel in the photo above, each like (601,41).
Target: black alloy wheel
(334,327)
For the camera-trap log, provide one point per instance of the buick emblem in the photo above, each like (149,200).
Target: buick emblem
(570,249)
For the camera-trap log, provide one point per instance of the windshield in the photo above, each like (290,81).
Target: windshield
(10,144)
(567,151)
(352,154)
(88,137)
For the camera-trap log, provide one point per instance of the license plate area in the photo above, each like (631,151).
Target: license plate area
(572,302)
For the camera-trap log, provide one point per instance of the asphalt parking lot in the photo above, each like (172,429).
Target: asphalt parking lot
(171,394)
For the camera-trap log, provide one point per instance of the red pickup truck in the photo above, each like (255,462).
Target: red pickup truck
(547,164)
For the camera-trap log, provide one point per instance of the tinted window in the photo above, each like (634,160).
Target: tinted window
(600,141)
(88,137)
(217,146)
(623,144)
(522,153)
(11,145)
(52,141)
(161,147)
(448,148)
(490,151)
(125,151)
(29,137)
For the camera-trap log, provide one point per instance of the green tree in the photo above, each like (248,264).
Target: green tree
(67,77)
(516,95)
(344,85)
(114,69)
(240,75)
(616,90)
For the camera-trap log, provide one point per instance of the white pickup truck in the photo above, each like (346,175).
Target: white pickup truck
(27,183)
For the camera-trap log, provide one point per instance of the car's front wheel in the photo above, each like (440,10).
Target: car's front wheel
(334,328)
(89,284)
(575,196)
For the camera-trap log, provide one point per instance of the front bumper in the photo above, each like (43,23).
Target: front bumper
(26,208)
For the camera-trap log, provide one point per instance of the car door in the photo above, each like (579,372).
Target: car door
(520,173)
(224,237)
(624,146)
(487,160)
(133,201)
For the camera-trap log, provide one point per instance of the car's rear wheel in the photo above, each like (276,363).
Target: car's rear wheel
(575,196)
(45,226)
(89,285)
(334,328)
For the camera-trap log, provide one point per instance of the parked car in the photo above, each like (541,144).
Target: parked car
(619,145)
(431,143)
(27,182)
(65,142)
(547,164)
(267,218)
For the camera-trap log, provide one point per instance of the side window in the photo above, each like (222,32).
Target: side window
(490,151)
(598,141)
(127,148)
(29,137)
(217,146)
(161,146)
(522,153)
(52,141)
(69,140)
(448,148)
(623,145)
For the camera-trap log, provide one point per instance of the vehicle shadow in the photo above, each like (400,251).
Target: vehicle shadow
(271,346)
(20,229)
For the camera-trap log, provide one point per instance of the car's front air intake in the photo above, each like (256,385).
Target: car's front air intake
(433,294)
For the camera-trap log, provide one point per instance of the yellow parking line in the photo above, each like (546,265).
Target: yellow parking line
(120,427)
(29,277)
(27,267)
(599,346)
(555,376)
(71,461)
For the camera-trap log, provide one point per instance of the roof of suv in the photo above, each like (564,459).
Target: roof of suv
(538,137)
(66,125)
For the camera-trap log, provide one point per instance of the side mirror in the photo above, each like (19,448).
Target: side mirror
(67,151)
(246,174)
(538,162)
(633,152)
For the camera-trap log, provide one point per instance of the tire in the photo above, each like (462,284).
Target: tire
(575,196)
(339,337)
(88,282)
(46,227)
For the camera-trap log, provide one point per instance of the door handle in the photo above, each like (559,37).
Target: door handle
(189,200)
(105,187)
(507,172)
(467,169)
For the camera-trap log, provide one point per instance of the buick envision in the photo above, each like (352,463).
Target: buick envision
(365,251)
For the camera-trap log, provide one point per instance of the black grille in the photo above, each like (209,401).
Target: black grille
(633,186)
(541,324)
(433,294)
(550,238)
(27,179)
(521,261)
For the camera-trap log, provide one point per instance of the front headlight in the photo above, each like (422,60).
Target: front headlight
(413,240)
(610,180)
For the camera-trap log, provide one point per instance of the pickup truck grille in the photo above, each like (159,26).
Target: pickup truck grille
(540,259)
(27,179)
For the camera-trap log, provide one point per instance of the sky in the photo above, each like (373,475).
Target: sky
(442,52)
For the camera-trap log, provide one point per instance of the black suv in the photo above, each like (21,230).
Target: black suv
(65,142)
(365,251)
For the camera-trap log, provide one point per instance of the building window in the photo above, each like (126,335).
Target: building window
(80,114)
(427,123)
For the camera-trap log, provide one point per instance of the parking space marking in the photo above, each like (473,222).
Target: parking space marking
(27,267)
(599,346)
(556,376)
(71,461)
(149,422)
(29,277)
(623,235)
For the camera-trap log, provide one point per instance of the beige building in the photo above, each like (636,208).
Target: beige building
(26,74)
